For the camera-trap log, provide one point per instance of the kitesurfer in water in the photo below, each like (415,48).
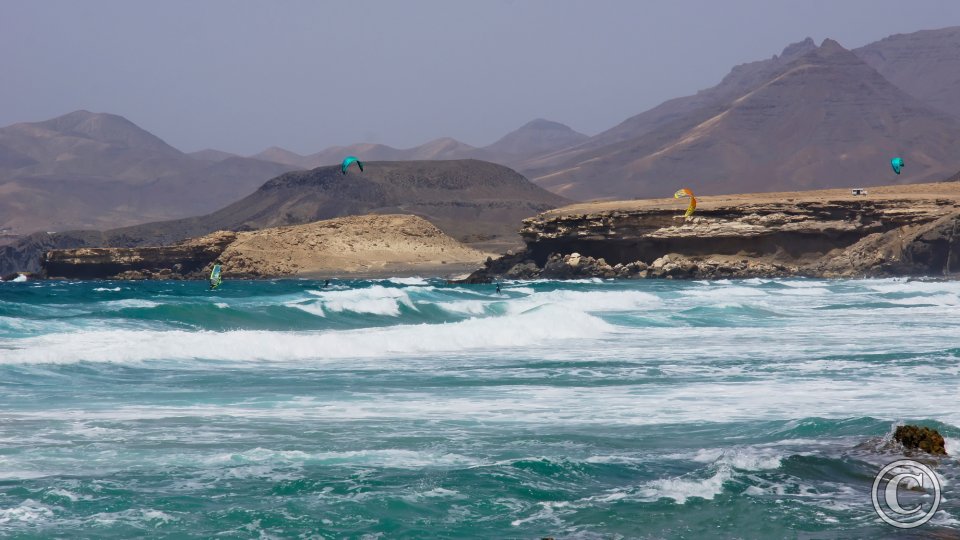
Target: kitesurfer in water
(498,288)
(326,283)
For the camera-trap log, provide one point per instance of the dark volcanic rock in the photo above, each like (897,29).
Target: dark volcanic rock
(920,438)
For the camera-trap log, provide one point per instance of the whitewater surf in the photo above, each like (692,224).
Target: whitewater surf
(411,407)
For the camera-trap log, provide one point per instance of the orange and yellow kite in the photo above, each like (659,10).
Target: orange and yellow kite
(684,192)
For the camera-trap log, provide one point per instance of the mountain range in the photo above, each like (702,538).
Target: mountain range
(912,109)
(100,170)
(813,116)
(533,138)
(89,170)
(810,118)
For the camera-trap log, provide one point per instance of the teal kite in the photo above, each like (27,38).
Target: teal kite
(347,161)
(896,164)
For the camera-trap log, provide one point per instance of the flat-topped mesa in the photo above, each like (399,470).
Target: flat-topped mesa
(904,230)
(782,229)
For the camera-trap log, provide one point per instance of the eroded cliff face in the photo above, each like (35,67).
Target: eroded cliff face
(189,260)
(826,234)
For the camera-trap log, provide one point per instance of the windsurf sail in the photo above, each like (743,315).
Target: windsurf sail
(215,277)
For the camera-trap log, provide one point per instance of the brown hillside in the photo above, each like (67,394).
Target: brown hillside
(825,119)
(924,64)
(100,171)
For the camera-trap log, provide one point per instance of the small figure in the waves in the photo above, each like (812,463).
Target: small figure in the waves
(326,283)
(498,288)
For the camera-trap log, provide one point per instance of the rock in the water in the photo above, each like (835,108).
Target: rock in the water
(575,266)
(920,438)
(524,270)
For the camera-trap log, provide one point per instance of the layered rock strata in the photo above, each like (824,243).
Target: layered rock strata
(896,231)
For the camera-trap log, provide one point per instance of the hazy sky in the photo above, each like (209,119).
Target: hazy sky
(242,75)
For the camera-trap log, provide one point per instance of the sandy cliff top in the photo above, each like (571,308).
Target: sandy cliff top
(916,192)
(368,244)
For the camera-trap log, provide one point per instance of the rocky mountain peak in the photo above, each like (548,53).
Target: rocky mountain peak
(797,49)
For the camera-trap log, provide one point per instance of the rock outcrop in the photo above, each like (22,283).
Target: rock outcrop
(355,245)
(906,230)
(190,259)
(920,438)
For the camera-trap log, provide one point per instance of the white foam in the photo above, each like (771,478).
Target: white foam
(914,286)
(221,305)
(952,446)
(435,493)
(938,300)
(521,290)
(69,495)
(589,301)
(375,300)
(546,325)
(134,515)
(804,291)
(19,279)
(723,292)
(129,303)
(409,281)
(546,513)
(804,284)
(464,307)
(388,458)
(106,289)
(28,511)
(312,308)
(744,458)
(680,489)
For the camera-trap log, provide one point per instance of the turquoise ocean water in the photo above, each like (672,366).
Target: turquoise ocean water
(411,408)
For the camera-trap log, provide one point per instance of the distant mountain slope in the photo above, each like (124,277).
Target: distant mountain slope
(470,200)
(924,64)
(444,148)
(474,201)
(210,154)
(88,145)
(286,157)
(825,119)
(99,170)
(534,138)
(741,79)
